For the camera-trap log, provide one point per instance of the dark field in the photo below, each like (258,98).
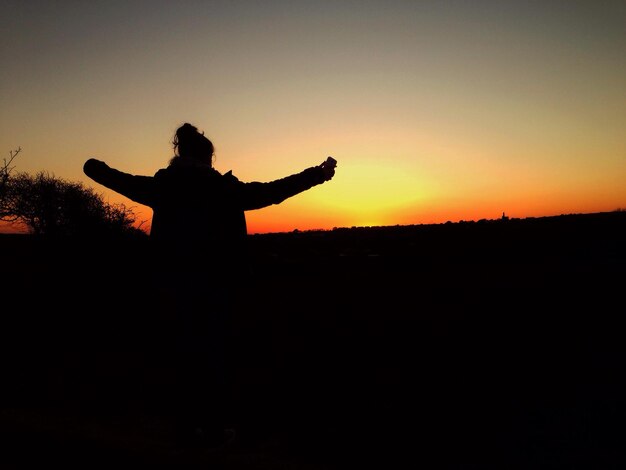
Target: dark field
(491,344)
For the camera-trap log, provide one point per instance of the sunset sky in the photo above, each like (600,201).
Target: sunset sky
(435,110)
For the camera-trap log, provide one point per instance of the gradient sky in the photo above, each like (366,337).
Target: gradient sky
(435,110)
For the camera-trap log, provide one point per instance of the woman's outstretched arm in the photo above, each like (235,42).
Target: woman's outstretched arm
(137,188)
(256,195)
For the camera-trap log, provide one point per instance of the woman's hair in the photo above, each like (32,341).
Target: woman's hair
(190,143)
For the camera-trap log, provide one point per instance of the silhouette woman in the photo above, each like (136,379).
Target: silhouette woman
(198,235)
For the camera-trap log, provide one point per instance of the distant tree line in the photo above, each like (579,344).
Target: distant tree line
(50,206)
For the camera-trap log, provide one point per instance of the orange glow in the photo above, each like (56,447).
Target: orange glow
(434,113)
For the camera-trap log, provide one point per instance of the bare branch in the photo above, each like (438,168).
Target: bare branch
(6,166)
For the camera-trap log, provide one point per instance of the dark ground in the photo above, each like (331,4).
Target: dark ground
(491,344)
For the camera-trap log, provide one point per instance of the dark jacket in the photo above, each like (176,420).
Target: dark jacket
(199,213)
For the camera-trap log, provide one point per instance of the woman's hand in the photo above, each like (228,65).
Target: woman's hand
(329,168)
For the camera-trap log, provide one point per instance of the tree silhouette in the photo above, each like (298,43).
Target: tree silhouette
(5,172)
(52,206)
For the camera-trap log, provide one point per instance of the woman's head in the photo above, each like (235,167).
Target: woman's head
(190,143)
